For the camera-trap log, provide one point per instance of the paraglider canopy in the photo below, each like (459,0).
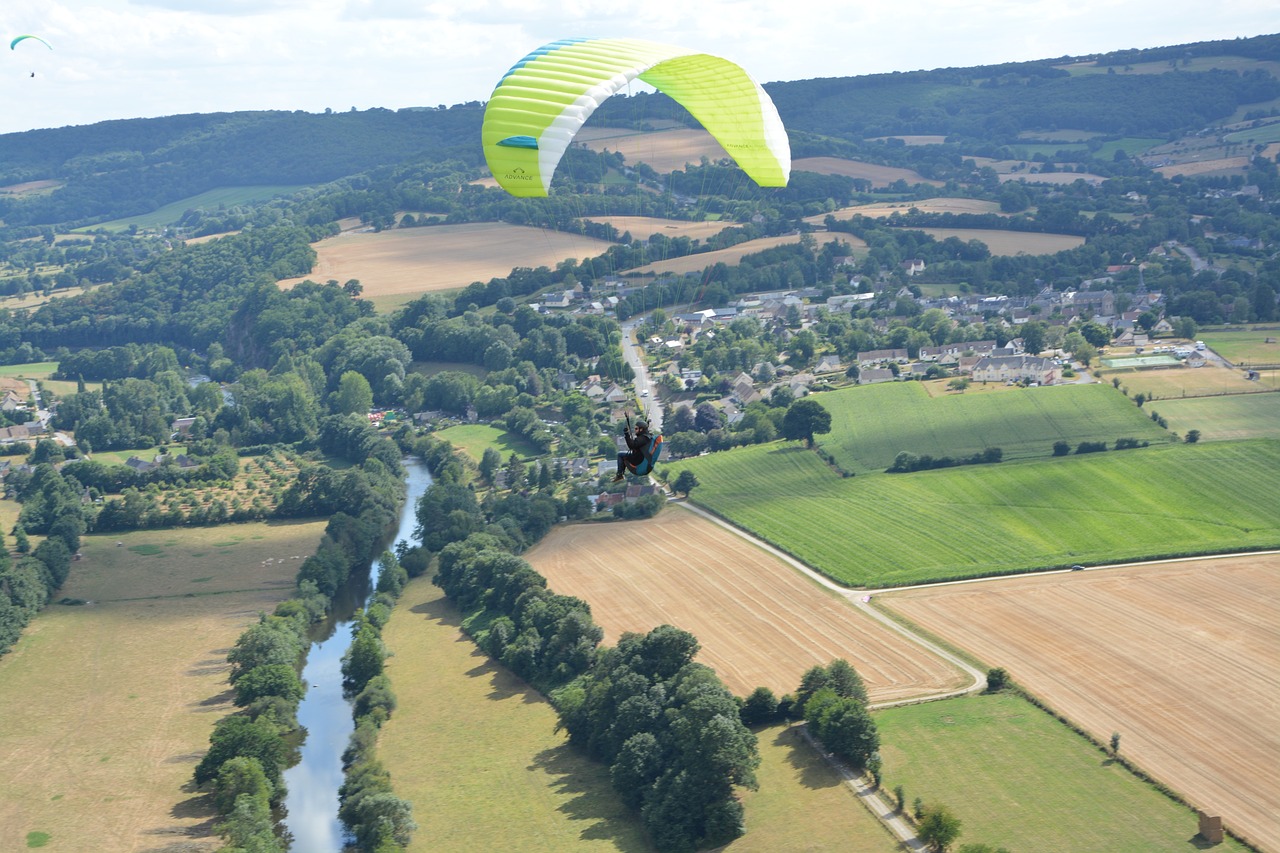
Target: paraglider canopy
(13,45)
(544,99)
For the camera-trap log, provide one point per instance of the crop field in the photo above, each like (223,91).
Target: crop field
(664,150)
(1189,381)
(894,529)
(871,424)
(1019,779)
(1010,242)
(1252,347)
(731,256)
(414,261)
(1230,418)
(222,197)
(930,205)
(106,708)
(1179,658)
(760,622)
(879,176)
(474,439)
(644,227)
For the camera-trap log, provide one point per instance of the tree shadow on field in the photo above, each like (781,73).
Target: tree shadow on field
(811,771)
(590,798)
(503,684)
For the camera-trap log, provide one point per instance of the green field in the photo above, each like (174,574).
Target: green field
(872,423)
(1245,347)
(894,529)
(1256,135)
(211,200)
(1224,418)
(476,438)
(1017,778)
(33,370)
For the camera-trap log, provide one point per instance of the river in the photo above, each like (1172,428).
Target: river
(312,799)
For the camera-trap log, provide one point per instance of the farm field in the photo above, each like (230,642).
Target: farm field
(498,777)
(664,150)
(731,256)
(1179,658)
(1189,381)
(1019,779)
(644,227)
(871,424)
(414,261)
(879,176)
(898,529)
(759,621)
(1223,418)
(930,205)
(507,781)
(222,197)
(1011,242)
(139,678)
(474,439)
(1245,346)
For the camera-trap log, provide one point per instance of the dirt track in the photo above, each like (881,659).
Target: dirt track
(1183,659)
(758,620)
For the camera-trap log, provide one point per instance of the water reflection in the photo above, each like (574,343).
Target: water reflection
(312,799)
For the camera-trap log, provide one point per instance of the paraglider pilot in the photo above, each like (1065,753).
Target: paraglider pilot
(638,441)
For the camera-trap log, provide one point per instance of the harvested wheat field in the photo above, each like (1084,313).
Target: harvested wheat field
(888,208)
(107,706)
(731,256)
(1181,658)
(644,227)
(759,621)
(664,150)
(1010,242)
(441,257)
(879,176)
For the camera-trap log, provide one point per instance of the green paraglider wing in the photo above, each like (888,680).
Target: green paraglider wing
(13,45)
(540,104)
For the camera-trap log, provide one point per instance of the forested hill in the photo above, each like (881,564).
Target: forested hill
(120,168)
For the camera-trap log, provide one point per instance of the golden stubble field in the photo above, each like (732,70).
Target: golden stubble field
(879,176)
(441,257)
(644,227)
(664,150)
(1181,658)
(760,622)
(734,254)
(106,708)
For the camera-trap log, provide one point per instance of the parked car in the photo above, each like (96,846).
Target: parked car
(1077,568)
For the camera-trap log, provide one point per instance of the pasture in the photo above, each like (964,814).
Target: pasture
(106,708)
(1186,381)
(501,778)
(475,439)
(1019,779)
(1230,418)
(1179,658)
(871,424)
(218,199)
(408,262)
(878,176)
(759,621)
(1245,347)
(731,256)
(895,529)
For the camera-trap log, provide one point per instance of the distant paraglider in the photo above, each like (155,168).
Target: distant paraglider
(539,105)
(13,45)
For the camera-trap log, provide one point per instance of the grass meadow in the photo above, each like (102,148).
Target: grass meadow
(106,707)
(1245,346)
(1237,416)
(871,424)
(1182,382)
(895,529)
(1017,778)
(212,199)
(500,777)
(475,439)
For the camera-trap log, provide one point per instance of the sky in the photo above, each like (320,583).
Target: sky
(115,59)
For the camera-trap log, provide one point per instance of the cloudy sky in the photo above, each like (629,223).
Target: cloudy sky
(130,58)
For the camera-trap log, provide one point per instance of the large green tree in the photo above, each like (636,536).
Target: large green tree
(804,419)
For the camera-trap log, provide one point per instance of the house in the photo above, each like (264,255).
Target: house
(594,391)
(1195,359)
(636,491)
(1013,368)
(847,301)
(913,266)
(1095,301)
(873,375)
(12,401)
(878,356)
(828,364)
(563,299)
(744,389)
(948,351)
(919,368)
(18,432)
(615,394)
(140,465)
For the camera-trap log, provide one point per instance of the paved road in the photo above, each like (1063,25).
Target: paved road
(634,355)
